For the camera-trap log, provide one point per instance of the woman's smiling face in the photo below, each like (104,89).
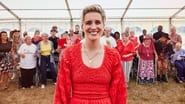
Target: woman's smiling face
(93,26)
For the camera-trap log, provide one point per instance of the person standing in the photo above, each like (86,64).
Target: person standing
(157,35)
(7,59)
(91,73)
(164,49)
(127,52)
(53,38)
(28,59)
(46,50)
(142,36)
(108,39)
(174,37)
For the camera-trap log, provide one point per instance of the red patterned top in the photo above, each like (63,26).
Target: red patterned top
(80,84)
(146,53)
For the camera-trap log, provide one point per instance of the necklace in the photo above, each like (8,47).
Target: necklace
(91,59)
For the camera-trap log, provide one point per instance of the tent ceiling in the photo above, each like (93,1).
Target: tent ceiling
(45,9)
(181,14)
(6,15)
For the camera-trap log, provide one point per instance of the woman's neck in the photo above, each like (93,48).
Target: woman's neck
(45,41)
(125,41)
(146,45)
(4,41)
(92,45)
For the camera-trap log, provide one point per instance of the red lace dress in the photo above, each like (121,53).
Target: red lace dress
(80,84)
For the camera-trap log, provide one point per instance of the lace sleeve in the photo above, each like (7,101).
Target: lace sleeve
(63,87)
(118,91)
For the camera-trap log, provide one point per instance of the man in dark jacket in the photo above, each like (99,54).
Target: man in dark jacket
(158,34)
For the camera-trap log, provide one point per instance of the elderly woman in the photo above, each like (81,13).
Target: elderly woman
(126,51)
(146,53)
(27,52)
(46,50)
(174,37)
(179,62)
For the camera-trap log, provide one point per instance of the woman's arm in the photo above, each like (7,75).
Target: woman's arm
(63,87)
(118,91)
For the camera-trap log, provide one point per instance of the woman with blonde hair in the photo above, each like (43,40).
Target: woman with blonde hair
(90,72)
(46,59)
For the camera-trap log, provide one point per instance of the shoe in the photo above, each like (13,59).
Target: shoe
(42,86)
(179,80)
(31,87)
(158,78)
(142,81)
(149,81)
(183,79)
(13,76)
(164,78)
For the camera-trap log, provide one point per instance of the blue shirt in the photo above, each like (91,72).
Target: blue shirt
(178,54)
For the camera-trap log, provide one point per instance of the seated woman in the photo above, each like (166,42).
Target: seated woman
(146,54)
(179,62)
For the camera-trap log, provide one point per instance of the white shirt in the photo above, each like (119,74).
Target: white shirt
(109,41)
(29,61)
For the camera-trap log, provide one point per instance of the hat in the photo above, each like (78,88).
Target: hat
(147,37)
(165,35)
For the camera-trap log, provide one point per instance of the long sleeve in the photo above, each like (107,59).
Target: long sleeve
(119,46)
(63,86)
(118,91)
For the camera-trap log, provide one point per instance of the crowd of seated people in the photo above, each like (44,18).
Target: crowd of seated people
(43,51)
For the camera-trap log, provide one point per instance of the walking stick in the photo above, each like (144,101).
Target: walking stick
(155,72)
(138,68)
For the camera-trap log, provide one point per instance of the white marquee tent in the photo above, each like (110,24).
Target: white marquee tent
(28,15)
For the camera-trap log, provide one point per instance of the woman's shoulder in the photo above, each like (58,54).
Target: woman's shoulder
(111,52)
(72,50)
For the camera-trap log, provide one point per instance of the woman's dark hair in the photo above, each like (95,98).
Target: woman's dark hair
(118,34)
(1,35)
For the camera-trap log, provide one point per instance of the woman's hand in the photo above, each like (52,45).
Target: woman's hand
(22,55)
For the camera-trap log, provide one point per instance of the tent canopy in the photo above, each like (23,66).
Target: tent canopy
(71,9)
(30,14)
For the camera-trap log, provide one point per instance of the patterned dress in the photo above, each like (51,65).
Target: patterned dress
(80,84)
(5,57)
(146,63)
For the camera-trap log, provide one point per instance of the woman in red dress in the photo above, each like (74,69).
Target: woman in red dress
(91,73)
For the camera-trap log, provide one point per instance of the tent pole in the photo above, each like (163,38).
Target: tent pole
(170,23)
(20,25)
(121,25)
